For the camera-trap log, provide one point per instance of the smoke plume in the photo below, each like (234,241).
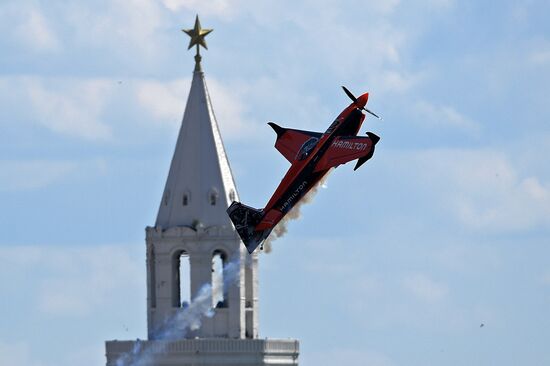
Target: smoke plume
(189,318)
(281,228)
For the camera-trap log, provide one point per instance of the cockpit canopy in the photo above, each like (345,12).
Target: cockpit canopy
(307,148)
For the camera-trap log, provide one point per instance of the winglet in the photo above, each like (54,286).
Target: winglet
(278,129)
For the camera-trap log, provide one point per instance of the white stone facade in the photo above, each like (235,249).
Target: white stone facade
(238,319)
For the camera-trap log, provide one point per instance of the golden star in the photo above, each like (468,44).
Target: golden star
(197,35)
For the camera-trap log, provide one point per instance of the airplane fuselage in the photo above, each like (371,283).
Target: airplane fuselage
(302,176)
(312,155)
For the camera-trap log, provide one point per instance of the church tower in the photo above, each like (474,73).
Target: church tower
(192,226)
(202,285)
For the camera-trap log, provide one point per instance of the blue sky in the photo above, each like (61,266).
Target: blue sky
(399,263)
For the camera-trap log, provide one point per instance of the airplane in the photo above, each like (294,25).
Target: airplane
(312,155)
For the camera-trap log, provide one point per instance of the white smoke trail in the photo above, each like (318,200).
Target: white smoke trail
(281,228)
(189,318)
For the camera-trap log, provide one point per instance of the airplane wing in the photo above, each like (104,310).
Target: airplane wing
(347,148)
(289,141)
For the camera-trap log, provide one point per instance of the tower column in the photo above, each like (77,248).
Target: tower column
(251,296)
(201,271)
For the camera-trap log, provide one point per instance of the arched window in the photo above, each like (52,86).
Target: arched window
(181,273)
(231,195)
(213,197)
(185,199)
(219,292)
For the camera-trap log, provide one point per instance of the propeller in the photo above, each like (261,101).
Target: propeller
(352,97)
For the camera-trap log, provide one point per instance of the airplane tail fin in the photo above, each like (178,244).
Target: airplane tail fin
(245,219)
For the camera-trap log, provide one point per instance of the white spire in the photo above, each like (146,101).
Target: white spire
(200,184)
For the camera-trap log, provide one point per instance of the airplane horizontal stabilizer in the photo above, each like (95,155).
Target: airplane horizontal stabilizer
(346,148)
(362,160)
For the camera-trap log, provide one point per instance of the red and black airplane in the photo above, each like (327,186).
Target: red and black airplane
(312,155)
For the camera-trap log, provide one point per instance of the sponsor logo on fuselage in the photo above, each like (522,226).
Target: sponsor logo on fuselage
(349,145)
(288,203)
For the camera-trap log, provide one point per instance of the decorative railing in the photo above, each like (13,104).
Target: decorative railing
(211,345)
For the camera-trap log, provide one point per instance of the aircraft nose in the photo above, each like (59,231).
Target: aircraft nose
(362,100)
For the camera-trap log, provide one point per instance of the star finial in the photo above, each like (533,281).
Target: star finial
(197,35)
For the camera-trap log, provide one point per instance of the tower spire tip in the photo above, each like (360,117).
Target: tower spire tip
(197,35)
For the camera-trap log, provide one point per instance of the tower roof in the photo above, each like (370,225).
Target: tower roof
(200,184)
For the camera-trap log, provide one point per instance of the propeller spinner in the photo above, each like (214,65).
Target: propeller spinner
(352,97)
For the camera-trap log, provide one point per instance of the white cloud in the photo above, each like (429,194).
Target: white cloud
(536,51)
(354,50)
(137,28)
(16,354)
(540,57)
(444,116)
(383,7)
(440,4)
(87,279)
(63,290)
(229,106)
(516,204)
(91,109)
(390,81)
(424,288)
(75,281)
(32,174)
(69,107)
(382,296)
(165,102)
(126,27)
(219,8)
(481,188)
(29,27)
(463,259)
